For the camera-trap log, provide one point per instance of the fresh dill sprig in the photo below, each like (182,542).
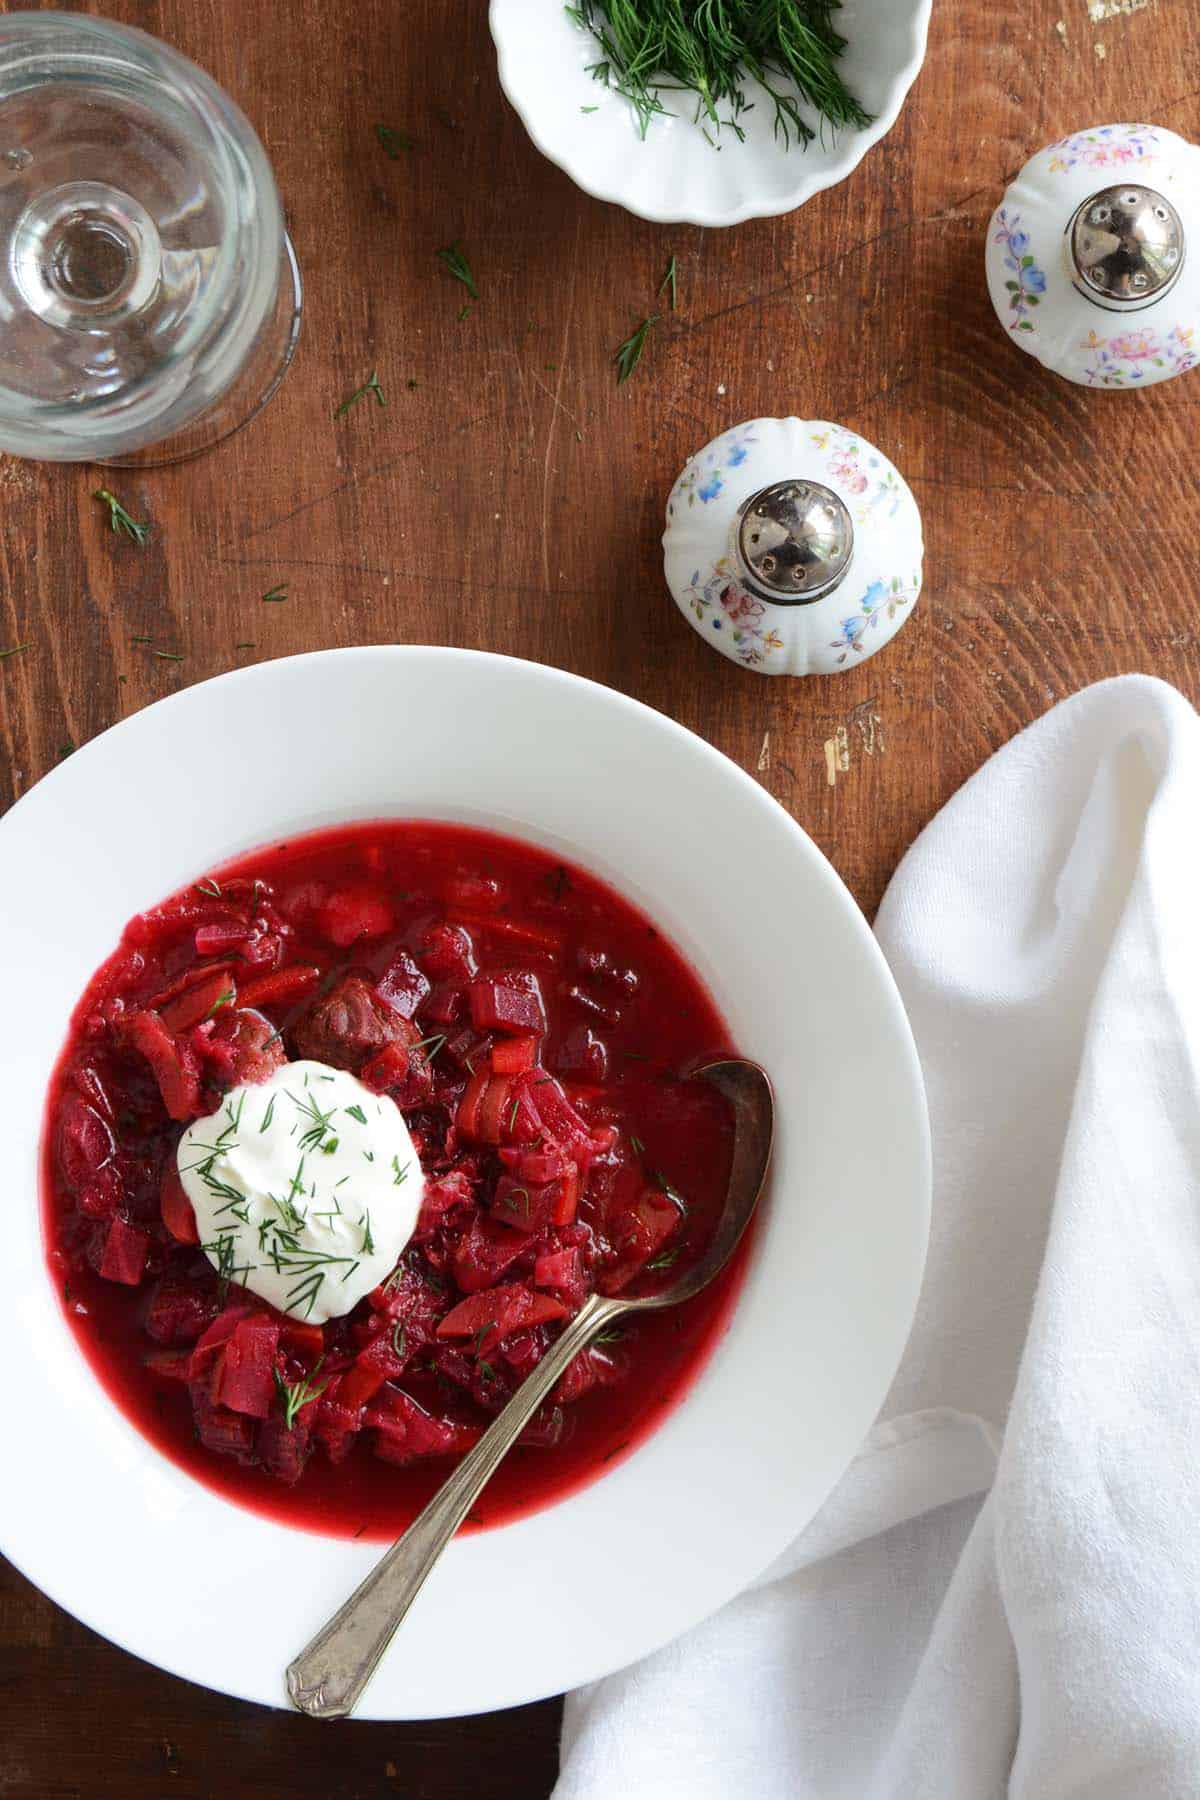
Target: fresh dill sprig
(789,47)
(119,519)
(15,650)
(393,143)
(459,267)
(671,280)
(369,386)
(296,1395)
(629,354)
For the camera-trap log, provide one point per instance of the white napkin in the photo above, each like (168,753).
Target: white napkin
(919,1642)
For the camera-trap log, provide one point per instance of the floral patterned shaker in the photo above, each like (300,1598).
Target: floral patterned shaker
(793,547)
(1087,256)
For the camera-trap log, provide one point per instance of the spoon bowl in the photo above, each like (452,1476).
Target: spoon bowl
(327,1679)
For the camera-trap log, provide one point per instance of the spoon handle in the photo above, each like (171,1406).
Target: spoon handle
(327,1679)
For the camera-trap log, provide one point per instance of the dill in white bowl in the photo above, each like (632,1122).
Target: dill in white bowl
(649,51)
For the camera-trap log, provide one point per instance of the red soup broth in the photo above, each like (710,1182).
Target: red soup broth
(489,970)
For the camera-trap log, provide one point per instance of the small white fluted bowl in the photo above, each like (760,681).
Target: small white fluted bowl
(675,175)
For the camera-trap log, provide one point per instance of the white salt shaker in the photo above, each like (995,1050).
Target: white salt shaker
(1087,256)
(793,547)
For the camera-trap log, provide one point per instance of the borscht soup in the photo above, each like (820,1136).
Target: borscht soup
(345,1131)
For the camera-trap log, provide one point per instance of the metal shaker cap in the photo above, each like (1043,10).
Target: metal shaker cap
(793,542)
(1127,245)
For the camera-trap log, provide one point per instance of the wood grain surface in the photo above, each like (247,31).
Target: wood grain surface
(510,497)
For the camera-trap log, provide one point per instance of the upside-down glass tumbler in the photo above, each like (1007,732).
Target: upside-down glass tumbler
(149,294)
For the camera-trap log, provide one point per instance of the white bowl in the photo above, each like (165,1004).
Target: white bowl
(676,175)
(175,1573)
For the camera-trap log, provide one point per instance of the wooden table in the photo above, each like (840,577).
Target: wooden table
(510,497)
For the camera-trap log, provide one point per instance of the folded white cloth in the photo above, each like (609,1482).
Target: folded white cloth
(919,1642)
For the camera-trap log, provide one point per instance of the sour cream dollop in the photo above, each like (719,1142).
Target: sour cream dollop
(306,1188)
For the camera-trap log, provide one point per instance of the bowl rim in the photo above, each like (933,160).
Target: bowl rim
(854,144)
(36,1558)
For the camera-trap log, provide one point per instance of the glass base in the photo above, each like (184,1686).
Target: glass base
(255,385)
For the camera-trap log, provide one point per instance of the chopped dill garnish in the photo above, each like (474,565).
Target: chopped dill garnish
(356,1112)
(119,519)
(665,1259)
(278,592)
(269,1114)
(370,386)
(208,885)
(629,354)
(314,1137)
(15,650)
(459,267)
(399,1175)
(225,999)
(398,1338)
(393,142)
(298,1394)
(671,280)
(364,1224)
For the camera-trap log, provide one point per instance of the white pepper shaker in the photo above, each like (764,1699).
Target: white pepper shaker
(1087,256)
(793,547)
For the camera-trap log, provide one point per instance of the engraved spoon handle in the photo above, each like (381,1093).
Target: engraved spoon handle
(328,1677)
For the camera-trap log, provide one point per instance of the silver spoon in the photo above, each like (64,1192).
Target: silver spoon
(327,1679)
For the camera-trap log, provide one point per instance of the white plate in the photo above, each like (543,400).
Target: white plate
(676,175)
(157,1562)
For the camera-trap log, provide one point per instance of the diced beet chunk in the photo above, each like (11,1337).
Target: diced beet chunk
(125,1251)
(247,1379)
(448,954)
(85,1142)
(442,1193)
(173,1365)
(403,985)
(491,1315)
(496,1006)
(228,1433)
(583,1055)
(178,1214)
(254,1046)
(283,1452)
(173,1061)
(386,1069)
(483,1253)
(406,1432)
(280,987)
(203,999)
(179,1311)
(352,914)
(350,1024)
(561,1270)
(408,1300)
(639,1232)
(103,1193)
(222,936)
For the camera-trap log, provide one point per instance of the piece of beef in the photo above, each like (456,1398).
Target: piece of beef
(349,1025)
